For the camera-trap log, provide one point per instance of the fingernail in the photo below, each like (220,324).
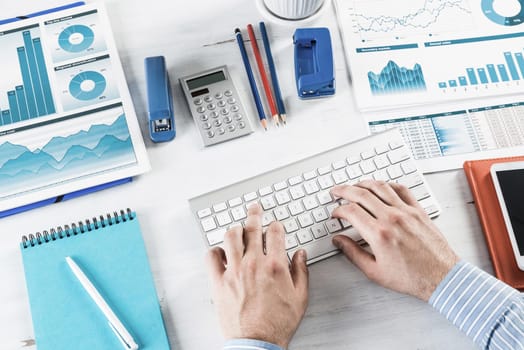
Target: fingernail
(336,242)
(303,255)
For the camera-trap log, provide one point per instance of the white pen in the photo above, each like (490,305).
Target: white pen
(114,323)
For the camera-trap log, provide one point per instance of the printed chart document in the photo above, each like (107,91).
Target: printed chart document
(448,73)
(409,52)
(67,121)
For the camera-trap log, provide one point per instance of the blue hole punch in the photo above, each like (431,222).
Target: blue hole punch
(314,69)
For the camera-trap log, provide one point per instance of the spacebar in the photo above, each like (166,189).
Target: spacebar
(318,250)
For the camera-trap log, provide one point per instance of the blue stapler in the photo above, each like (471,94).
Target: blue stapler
(314,71)
(160,100)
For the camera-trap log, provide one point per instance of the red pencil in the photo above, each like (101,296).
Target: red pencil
(263,74)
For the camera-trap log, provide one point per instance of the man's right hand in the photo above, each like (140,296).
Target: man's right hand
(410,255)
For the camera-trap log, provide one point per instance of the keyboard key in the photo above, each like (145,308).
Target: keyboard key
(219,207)
(339,165)
(398,155)
(310,175)
(268,202)
(311,187)
(367,154)
(295,208)
(354,172)
(208,224)
(333,225)
(432,209)
(420,192)
(324,170)
(280,185)
(325,182)
(264,191)
(352,160)
(319,230)
(320,214)
(411,181)
(381,149)
(332,207)
(381,161)
(295,180)
(396,144)
(248,197)
(324,197)
(223,219)
(297,192)
(267,218)
(291,242)
(345,223)
(234,202)
(304,236)
(238,213)
(281,213)
(367,166)
(305,220)
(216,237)
(395,172)
(340,176)
(408,167)
(290,225)
(282,197)
(203,213)
(322,247)
(310,203)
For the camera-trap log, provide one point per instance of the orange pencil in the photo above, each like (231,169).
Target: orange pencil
(263,75)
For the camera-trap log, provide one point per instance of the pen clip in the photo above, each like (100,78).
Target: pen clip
(131,345)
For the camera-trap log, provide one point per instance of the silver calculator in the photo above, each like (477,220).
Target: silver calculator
(215,106)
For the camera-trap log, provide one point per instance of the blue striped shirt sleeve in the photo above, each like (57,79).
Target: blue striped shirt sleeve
(249,344)
(487,310)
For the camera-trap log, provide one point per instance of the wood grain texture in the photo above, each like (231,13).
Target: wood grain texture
(345,310)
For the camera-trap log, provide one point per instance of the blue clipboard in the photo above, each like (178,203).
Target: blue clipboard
(72,194)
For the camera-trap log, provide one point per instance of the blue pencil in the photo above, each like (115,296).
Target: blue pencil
(273,72)
(251,79)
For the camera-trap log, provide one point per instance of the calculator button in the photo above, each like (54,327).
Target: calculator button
(221,131)
(235,108)
(231,100)
(218,95)
(238,116)
(228,119)
(228,93)
(204,212)
(241,125)
(206,126)
(221,103)
(213,115)
(210,134)
(224,111)
(231,128)
(204,118)
(208,99)
(211,106)
(201,109)
(217,123)
(198,101)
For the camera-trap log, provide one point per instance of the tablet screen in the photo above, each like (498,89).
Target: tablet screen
(512,187)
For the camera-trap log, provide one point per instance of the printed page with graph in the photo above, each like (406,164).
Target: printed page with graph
(410,52)
(67,121)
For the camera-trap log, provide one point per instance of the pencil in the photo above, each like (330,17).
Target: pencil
(263,75)
(251,79)
(273,72)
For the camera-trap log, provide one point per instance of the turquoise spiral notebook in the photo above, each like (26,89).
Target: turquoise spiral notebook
(110,250)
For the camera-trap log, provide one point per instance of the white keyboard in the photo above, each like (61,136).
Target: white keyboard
(298,194)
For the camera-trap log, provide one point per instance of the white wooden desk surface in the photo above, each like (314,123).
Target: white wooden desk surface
(345,310)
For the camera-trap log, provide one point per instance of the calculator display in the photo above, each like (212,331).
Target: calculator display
(206,80)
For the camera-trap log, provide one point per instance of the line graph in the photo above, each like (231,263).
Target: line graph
(373,19)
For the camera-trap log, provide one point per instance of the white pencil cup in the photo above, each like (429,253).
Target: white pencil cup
(293,9)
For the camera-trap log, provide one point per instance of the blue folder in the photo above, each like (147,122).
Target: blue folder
(114,259)
(68,195)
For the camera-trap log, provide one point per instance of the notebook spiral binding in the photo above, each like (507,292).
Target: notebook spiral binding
(74,229)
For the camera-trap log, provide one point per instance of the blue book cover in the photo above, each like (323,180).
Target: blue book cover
(110,250)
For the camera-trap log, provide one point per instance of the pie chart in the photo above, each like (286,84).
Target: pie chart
(76,38)
(87,86)
(513,17)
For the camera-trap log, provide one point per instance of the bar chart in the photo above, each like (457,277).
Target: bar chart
(26,93)
(512,69)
